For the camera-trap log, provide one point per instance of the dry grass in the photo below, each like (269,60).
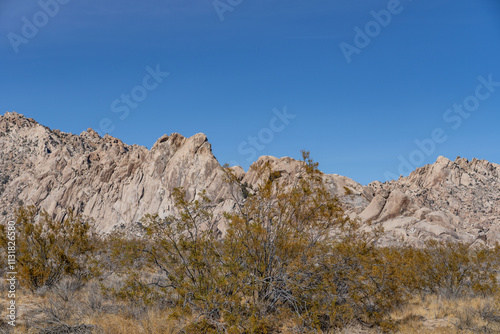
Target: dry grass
(85,307)
(433,314)
(75,305)
(151,323)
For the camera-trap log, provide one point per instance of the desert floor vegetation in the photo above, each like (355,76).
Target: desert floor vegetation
(290,261)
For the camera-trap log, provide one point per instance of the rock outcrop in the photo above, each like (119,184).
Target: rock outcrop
(117,184)
(448,200)
(101,178)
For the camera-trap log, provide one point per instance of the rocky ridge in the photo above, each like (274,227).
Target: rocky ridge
(101,177)
(117,184)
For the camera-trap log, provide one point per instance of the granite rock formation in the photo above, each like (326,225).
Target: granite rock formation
(117,184)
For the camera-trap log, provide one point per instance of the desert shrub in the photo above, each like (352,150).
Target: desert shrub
(455,270)
(280,249)
(48,250)
(289,252)
(188,254)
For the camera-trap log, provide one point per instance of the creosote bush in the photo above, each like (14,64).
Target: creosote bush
(48,250)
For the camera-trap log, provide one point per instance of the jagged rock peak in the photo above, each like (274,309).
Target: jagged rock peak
(197,144)
(90,133)
(451,200)
(446,170)
(101,177)
(442,160)
(13,119)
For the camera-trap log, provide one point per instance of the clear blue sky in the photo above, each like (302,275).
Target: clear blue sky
(226,77)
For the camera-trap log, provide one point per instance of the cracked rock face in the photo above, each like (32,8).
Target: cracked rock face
(102,178)
(449,200)
(117,184)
